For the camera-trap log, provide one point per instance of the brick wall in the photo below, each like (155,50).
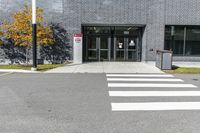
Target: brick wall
(155,14)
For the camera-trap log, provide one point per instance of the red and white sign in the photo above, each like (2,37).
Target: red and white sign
(77,48)
(77,39)
(78,35)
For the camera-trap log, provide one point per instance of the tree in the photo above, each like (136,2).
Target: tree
(60,51)
(20,29)
(12,52)
(1,35)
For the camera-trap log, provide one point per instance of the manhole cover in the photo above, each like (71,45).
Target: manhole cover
(195,79)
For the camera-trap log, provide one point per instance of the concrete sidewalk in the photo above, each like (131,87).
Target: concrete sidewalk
(108,67)
(187,64)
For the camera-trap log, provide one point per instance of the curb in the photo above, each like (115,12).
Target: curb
(17,71)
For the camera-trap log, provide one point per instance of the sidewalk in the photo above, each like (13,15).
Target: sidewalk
(108,67)
(187,64)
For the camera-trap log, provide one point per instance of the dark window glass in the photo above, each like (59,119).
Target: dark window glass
(104,43)
(92,55)
(174,39)
(192,41)
(118,30)
(127,31)
(98,30)
(92,43)
(104,55)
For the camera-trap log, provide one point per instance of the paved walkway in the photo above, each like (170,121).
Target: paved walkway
(187,64)
(108,67)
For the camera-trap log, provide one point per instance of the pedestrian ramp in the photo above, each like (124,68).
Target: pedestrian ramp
(148,86)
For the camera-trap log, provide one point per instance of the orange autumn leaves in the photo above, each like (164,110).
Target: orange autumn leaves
(20,28)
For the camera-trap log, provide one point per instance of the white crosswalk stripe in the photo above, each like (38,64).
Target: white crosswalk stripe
(138,75)
(153,93)
(149,81)
(150,85)
(156,106)
(145,79)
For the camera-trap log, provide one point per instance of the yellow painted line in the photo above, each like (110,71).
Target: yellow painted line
(5,74)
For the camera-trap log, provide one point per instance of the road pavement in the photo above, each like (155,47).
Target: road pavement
(99,103)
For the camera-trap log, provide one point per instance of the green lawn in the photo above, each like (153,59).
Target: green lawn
(44,67)
(183,70)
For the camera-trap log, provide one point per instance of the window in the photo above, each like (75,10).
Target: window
(183,40)
(117,30)
(174,39)
(192,41)
(127,30)
(97,30)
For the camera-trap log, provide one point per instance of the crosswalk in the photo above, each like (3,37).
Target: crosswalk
(150,86)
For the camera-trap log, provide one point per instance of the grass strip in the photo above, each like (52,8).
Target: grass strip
(42,68)
(183,70)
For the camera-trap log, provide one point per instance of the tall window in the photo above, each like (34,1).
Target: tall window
(183,40)
(192,41)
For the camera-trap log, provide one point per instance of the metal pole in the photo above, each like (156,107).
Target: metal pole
(34,35)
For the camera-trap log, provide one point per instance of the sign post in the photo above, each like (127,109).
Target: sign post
(77,48)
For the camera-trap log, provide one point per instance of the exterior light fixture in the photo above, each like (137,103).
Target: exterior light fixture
(34,36)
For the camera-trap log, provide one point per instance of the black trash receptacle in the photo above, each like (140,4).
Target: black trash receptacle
(164,59)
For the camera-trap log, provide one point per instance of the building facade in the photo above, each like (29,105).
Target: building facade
(125,30)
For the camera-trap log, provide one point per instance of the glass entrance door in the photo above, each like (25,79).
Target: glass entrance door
(92,49)
(112,43)
(126,48)
(98,48)
(120,48)
(104,48)
(132,49)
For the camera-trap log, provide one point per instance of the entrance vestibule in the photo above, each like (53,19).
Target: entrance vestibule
(111,43)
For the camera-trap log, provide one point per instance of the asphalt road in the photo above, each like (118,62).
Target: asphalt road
(80,103)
